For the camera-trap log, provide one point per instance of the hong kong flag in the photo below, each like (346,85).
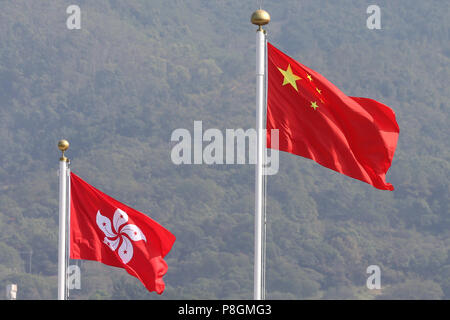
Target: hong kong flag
(105,230)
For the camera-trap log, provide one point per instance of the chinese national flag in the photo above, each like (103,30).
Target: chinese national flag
(105,230)
(354,136)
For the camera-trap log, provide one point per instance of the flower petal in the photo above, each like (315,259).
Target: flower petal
(105,225)
(133,232)
(120,217)
(126,250)
(112,244)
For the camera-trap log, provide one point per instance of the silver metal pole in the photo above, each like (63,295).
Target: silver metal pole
(63,145)
(259,18)
(258,272)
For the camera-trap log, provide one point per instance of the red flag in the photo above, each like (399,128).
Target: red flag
(354,136)
(105,230)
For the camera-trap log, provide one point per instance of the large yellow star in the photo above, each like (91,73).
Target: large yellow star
(290,77)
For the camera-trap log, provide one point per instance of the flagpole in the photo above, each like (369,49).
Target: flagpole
(67,248)
(259,18)
(63,145)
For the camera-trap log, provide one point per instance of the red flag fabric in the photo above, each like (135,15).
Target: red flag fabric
(354,136)
(105,230)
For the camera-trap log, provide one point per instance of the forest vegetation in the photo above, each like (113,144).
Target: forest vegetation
(137,70)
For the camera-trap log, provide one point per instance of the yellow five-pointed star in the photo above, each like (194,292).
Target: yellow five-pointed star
(319,91)
(290,77)
(314,105)
(309,77)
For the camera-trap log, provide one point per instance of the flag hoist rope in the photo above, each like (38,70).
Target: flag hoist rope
(63,145)
(260,18)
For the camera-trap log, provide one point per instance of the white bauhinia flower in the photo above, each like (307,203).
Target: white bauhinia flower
(122,234)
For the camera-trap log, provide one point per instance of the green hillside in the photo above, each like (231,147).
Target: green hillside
(137,70)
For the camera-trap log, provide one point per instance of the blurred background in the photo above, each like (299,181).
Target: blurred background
(137,70)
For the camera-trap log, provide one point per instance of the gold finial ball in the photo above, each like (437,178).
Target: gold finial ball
(63,145)
(260,17)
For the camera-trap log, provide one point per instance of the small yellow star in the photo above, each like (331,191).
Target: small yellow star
(319,91)
(309,77)
(314,105)
(290,77)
